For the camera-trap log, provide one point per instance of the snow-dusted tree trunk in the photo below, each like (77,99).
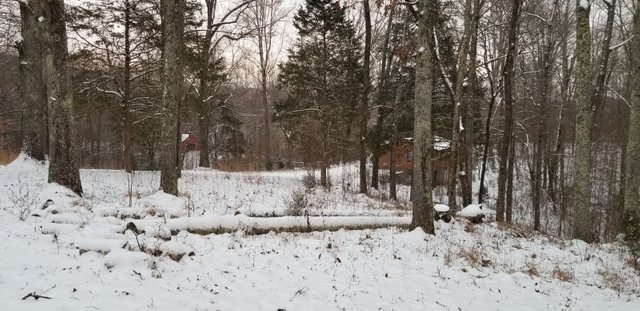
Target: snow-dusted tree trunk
(62,158)
(457,127)
(34,94)
(582,184)
(422,172)
(599,91)
(631,218)
(508,80)
(204,113)
(382,80)
(125,106)
(173,29)
(364,104)
(470,109)
(547,47)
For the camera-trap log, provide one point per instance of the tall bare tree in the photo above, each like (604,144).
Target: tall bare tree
(631,219)
(172,31)
(458,126)
(364,104)
(422,172)
(35,97)
(214,32)
(508,79)
(582,163)
(62,158)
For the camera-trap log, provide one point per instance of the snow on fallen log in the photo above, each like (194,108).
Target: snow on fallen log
(73,219)
(228,223)
(126,259)
(475,212)
(58,229)
(103,246)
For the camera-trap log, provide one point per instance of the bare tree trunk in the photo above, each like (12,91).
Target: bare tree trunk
(508,78)
(364,105)
(599,91)
(173,29)
(62,158)
(565,82)
(457,127)
(394,137)
(384,73)
(394,119)
(582,182)
(510,169)
(485,151)
(34,92)
(423,140)
(324,141)
(631,214)
(204,111)
(125,114)
(470,106)
(541,141)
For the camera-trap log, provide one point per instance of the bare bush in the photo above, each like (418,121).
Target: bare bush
(23,198)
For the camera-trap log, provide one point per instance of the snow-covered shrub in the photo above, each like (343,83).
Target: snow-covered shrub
(298,204)
(23,198)
(309,181)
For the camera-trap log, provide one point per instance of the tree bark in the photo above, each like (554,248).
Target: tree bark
(469,106)
(508,80)
(541,142)
(394,137)
(582,163)
(457,127)
(125,113)
(364,105)
(204,111)
(422,171)
(631,211)
(510,168)
(599,91)
(382,80)
(173,29)
(34,92)
(62,158)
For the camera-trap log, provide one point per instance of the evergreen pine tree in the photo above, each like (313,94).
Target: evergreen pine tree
(322,78)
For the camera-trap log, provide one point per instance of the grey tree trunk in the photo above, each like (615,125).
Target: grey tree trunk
(469,109)
(364,104)
(631,214)
(394,117)
(382,80)
(204,111)
(509,208)
(173,29)
(599,91)
(422,172)
(62,158)
(545,62)
(582,184)
(461,73)
(508,78)
(125,113)
(394,137)
(34,92)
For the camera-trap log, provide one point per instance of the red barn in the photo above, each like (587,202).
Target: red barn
(404,158)
(189,142)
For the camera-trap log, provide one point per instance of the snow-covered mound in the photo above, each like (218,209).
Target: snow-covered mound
(84,257)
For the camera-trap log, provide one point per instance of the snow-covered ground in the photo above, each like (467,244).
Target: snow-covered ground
(78,253)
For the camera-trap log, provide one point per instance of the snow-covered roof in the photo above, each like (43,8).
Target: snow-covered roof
(439,143)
